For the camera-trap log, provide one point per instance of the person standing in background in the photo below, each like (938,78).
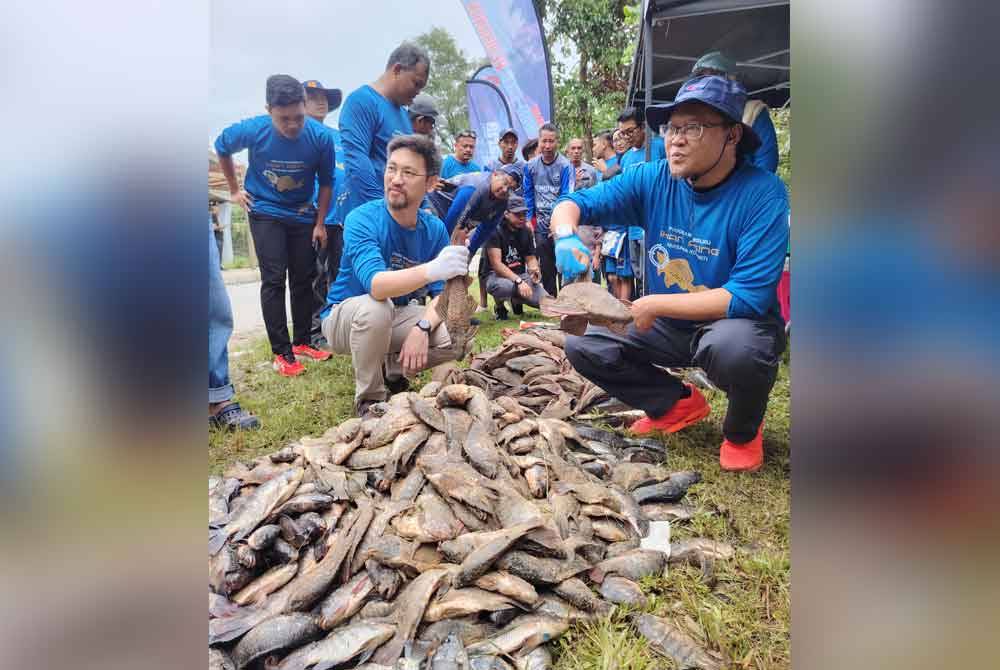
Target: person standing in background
(586,175)
(423,114)
(288,154)
(530,149)
(373,114)
(461,162)
(547,177)
(320,102)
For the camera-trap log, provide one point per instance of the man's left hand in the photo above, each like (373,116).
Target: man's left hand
(644,312)
(413,355)
(319,235)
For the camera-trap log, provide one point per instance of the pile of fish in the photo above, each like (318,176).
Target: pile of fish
(448,530)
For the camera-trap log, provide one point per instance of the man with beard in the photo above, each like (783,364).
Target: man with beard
(288,155)
(320,102)
(395,254)
(514,274)
(720,228)
(546,177)
(461,162)
(373,115)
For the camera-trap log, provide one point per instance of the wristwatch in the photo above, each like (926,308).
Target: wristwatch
(518,281)
(424,325)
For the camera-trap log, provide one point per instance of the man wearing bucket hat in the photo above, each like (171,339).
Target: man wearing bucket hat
(717,229)
(755,112)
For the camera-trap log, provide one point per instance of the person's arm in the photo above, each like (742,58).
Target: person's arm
(461,206)
(357,132)
(528,185)
(232,140)
(322,206)
(710,305)
(484,231)
(603,199)
(567,180)
(766,155)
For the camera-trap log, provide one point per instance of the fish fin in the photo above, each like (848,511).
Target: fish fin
(227,629)
(574,324)
(216,540)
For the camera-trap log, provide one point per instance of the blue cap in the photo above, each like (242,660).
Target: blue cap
(333,95)
(725,96)
(512,170)
(515,204)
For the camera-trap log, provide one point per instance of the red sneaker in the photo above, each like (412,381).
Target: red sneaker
(309,352)
(743,457)
(684,413)
(287,368)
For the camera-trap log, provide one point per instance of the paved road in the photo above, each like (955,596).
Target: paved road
(247,319)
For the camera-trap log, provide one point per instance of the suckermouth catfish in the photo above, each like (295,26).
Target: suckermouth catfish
(669,491)
(263,501)
(281,632)
(521,636)
(667,639)
(633,565)
(338,647)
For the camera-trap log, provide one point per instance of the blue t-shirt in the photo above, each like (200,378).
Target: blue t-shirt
(766,155)
(335,215)
(637,156)
(368,122)
(544,183)
(732,236)
(282,173)
(374,242)
(452,166)
(466,200)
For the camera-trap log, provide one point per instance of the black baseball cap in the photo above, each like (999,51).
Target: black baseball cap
(515,204)
(333,95)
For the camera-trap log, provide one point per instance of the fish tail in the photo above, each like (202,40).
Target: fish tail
(226,629)
(216,540)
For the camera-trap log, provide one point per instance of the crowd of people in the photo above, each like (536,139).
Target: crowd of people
(678,211)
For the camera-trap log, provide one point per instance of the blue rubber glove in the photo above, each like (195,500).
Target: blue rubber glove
(572,257)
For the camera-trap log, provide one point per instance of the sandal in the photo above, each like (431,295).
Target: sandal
(233,417)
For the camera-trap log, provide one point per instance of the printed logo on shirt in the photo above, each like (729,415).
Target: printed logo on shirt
(513,258)
(675,272)
(683,241)
(279,175)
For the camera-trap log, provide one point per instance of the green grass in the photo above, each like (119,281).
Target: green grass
(744,612)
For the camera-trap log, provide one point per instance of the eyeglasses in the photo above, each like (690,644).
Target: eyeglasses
(408,175)
(628,132)
(692,131)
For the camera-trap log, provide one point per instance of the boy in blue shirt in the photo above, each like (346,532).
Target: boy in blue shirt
(320,102)
(373,115)
(288,154)
(395,254)
(717,229)
(461,162)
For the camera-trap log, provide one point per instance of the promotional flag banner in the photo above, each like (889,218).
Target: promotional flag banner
(488,116)
(515,44)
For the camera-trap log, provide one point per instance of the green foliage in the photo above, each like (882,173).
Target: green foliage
(597,38)
(782,119)
(450,68)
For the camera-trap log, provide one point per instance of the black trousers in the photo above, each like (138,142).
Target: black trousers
(327,265)
(284,248)
(545,249)
(740,356)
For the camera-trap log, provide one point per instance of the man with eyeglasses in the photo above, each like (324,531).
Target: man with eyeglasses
(632,126)
(718,229)
(461,162)
(395,254)
(423,115)
(373,115)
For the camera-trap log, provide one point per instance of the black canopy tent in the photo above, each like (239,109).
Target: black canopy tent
(675,33)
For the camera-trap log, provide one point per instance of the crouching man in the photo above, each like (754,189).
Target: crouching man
(514,273)
(395,255)
(716,229)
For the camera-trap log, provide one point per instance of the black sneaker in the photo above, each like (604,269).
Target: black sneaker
(517,308)
(501,312)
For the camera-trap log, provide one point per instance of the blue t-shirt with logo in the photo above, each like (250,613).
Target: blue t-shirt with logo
(452,166)
(635,156)
(282,174)
(368,121)
(374,242)
(732,236)
(543,184)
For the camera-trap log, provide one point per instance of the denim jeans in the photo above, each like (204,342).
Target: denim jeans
(220,327)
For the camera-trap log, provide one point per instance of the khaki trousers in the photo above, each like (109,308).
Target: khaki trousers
(372,332)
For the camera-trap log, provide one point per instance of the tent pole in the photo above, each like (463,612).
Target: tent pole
(647,66)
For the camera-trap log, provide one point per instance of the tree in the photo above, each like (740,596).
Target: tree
(597,38)
(450,69)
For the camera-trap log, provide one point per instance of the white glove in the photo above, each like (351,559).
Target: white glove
(453,261)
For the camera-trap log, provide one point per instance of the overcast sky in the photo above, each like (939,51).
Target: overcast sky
(343,44)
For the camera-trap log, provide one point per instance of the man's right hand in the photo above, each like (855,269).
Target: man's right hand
(453,261)
(525,290)
(243,199)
